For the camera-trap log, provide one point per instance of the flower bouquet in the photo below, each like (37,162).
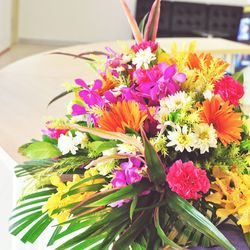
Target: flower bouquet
(154,154)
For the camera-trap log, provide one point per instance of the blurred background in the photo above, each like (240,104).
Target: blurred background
(31,26)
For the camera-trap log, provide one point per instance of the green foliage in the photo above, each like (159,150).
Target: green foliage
(155,166)
(31,218)
(29,168)
(229,156)
(142,23)
(245,145)
(239,76)
(155,221)
(41,150)
(95,148)
(194,218)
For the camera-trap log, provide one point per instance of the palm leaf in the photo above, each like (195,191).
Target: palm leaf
(28,216)
(186,212)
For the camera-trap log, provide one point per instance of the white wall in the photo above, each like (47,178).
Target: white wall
(73,20)
(5,24)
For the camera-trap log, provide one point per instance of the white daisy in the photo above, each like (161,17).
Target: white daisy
(177,101)
(143,58)
(162,115)
(205,137)
(181,138)
(66,144)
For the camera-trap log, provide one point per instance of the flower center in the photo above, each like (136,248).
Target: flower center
(204,135)
(183,139)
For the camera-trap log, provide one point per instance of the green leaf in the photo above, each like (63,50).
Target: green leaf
(95,227)
(50,140)
(87,188)
(59,96)
(36,230)
(128,237)
(239,76)
(137,246)
(173,116)
(132,207)
(143,23)
(42,150)
(54,235)
(194,218)
(161,233)
(124,193)
(100,146)
(91,178)
(32,167)
(22,149)
(247,238)
(245,145)
(155,166)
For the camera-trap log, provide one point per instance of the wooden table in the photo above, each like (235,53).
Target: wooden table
(27,86)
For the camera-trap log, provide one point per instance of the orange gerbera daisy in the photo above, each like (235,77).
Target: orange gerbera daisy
(121,115)
(226,122)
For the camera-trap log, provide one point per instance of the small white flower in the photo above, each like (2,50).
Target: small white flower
(181,138)
(126,59)
(126,148)
(143,58)
(208,94)
(205,137)
(66,144)
(162,115)
(81,138)
(176,101)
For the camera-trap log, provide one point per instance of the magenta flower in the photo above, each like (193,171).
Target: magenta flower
(145,44)
(229,89)
(159,81)
(78,110)
(187,180)
(54,132)
(129,174)
(89,95)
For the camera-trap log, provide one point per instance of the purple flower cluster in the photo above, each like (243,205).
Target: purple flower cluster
(129,174)
(158,82)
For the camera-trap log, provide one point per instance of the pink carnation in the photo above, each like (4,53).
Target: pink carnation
(187,180)
(229,89)
(145,44)
(54,132)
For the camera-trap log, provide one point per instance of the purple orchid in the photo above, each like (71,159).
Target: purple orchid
(129,174)
(89,95)
(78,110)
(159,81)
